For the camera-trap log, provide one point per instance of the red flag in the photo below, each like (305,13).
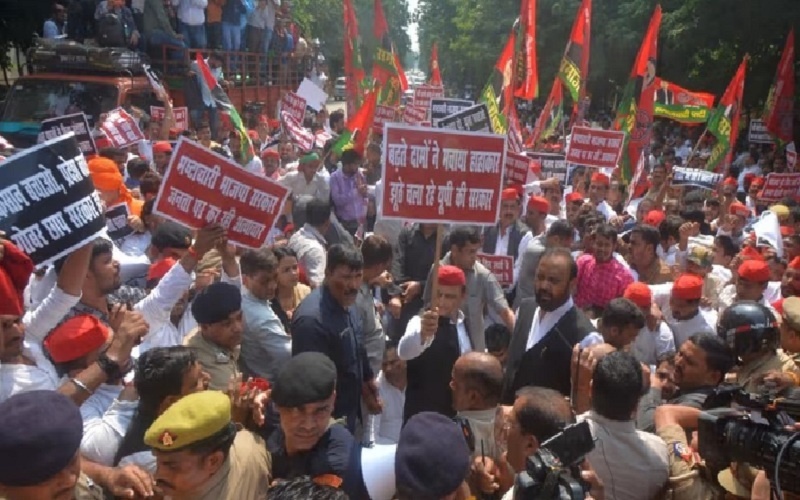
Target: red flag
(724,121)
(401,74)
(526,81)
(546,118)
(436,76)
(361,122)
(779,112)
(635,115)
(504,66)
(353,68)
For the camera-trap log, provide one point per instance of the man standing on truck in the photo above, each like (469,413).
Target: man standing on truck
(158,28)
(214,62)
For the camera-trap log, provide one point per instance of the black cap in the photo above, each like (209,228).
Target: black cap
(40,435)
(216,303)
(432,458)
(171,235)
(306,378)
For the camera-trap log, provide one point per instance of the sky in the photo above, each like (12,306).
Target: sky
(412,28)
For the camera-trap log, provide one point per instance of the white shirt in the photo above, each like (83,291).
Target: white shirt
(385,428)
(308,244)
(650,344)
(411,345)
(296,182)
(605,209)
(723,273)
(191,12)
(105,422)
(255,167)
(157,309)
(669,257)
(501,246)
(41,376)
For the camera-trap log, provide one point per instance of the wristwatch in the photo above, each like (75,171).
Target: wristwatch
(112,369)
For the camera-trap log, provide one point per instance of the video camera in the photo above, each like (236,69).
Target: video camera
(552,472)
(755,433)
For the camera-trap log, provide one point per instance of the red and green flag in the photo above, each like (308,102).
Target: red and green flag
(498,94)
(683,106)
(723,123)
(779,111)
(525,72)
(358,126)
(226,107)
(436,76)
(574,69)
(551,115)
(353,68)
(635,112)
(386,70)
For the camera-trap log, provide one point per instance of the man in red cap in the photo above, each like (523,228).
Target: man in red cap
(655,339)
(752,201)
(573,203)
(681,307)
(733,226)
(504,237)
(162,152)
(271,160)
(753,276)
(598,190)
(432,343)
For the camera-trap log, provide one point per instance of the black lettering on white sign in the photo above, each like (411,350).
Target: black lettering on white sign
(77,123)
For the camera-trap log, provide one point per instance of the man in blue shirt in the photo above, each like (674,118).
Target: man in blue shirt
(328,322)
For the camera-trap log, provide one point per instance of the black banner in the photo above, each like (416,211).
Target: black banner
(56,127)
(117,222)
(444,107)
(474,119)
(552,165)
(48,205)
(682,176)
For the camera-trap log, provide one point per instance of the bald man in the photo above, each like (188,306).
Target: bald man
(477,383)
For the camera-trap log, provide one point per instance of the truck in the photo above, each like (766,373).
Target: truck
(67,77)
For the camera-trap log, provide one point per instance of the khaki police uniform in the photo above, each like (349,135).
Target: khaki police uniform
(687,472)
(245,474)
(221,364)
(748,375)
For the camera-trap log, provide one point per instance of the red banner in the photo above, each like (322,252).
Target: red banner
(121,129)
(181,115)
(425,174)
(383,114)
(780,186)
(502,266)
(594,147)
(295,106)
(201,187)
(301,136)
(516,171)
(424,93)
(414,115)
(779,112)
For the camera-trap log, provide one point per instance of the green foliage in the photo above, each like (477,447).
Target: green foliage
(323,19)
(701,41)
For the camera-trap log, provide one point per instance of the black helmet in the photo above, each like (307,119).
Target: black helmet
(748,327)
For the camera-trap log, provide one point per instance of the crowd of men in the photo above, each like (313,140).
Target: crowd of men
(171,363)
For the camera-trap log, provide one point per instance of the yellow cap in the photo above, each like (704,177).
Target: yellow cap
(191,419)
(780,210)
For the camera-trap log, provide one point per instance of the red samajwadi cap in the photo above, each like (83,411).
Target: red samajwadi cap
(688,287)
(730,181)
(753,270)
(509,194)
(795,263)
(737,208)
(76,338)
(639,293)
(539,203)
(757,182)
(451,276)
(654,218)
(600,178)
(162,147)
(574,197)
(748,253)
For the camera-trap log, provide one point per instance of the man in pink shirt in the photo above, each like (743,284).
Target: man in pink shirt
(601,277)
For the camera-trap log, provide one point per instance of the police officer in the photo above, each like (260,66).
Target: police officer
(689,479)
(309,442)
(201,454)
(751,332)
(40,439)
